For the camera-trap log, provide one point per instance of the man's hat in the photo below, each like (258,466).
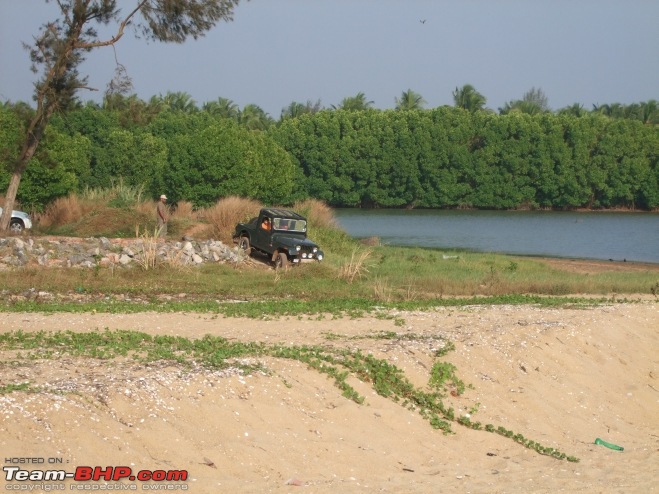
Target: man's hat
(163,196)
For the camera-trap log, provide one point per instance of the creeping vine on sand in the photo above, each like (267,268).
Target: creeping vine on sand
(215,352)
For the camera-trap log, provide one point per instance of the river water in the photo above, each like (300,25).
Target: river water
(618,236)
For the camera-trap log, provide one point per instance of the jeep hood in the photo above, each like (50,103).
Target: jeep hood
(289,240)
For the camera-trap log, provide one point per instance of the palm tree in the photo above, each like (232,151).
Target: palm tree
(649,112)
(617,110)
(614,110)
(157,102)
(630,112)
(355,103)
(132,109)
(601,109)
(410,100)
(645,112)
(222,107)
(295,109)
(176,101)
(468,98)
(254,118)
(520,106)
(576,110)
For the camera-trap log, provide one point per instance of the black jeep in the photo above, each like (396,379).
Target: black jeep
(280,234)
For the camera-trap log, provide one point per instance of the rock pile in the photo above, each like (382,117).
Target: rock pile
(110,253)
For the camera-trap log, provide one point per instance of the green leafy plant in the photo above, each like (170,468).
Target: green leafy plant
(443,373)
(213,352)
(10,388)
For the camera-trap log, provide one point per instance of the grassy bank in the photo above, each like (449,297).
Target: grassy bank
(355,280)
(354,274)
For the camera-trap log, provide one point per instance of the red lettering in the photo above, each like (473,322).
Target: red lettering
(83,473)
(115,473)
(99,472)
(159,475)
(143,475)
(121,473)
(177,475)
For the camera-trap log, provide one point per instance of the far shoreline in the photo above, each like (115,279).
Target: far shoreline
(592,266)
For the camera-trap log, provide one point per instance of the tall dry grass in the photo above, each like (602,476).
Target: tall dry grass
(146,208)
(317,212)
(65,210)
(72,208)
(357,267)
(185,210)
(228,211)
(147,251)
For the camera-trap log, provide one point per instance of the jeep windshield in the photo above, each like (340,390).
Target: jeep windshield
(290,225)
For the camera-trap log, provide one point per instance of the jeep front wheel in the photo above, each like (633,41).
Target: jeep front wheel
(244,245)
(281,262)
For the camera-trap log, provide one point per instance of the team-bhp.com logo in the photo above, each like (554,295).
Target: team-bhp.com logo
(97,474)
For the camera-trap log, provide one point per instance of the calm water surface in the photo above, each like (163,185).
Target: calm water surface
(599,235)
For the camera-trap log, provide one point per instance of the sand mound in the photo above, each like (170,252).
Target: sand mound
(562,377)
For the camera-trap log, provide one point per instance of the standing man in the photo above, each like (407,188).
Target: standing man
(162,214)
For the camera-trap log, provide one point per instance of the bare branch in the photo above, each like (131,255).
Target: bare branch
(120,31)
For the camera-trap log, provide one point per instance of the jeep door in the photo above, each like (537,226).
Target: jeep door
(263,235)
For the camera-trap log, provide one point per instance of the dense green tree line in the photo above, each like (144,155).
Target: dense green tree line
(198,157)
(448,157)
(354,155)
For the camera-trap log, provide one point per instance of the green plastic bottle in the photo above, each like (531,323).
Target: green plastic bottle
(609,445)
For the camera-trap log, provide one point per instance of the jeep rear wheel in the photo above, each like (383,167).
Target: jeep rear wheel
(281,262)
(244,245)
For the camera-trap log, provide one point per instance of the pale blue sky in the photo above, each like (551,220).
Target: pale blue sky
(279,51)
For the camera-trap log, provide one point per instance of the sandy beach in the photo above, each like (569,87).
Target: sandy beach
(560,376)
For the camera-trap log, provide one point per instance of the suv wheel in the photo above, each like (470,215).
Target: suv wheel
(16,226)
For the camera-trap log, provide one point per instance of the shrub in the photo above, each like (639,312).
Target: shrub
(118,195)
(228,211)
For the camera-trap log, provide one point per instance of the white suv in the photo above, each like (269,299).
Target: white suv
(19,221)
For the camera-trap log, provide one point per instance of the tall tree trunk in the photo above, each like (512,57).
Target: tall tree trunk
(48,97)
(33,138)
(10,199)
